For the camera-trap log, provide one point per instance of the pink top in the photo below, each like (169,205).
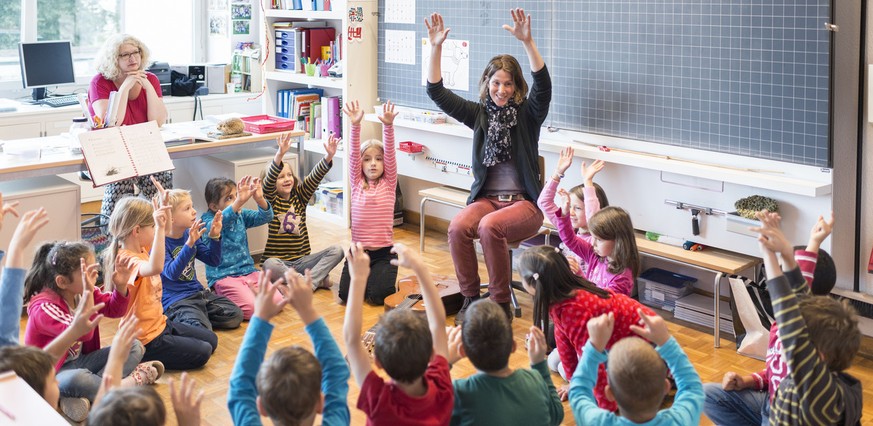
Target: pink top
(373,207)
(597,270)
(137,109)
(592,205)
(48,316)
(776,369)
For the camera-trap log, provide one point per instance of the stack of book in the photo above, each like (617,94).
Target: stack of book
(661,289)
(301,4)
(697,309)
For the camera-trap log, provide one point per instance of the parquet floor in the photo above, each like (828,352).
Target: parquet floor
(711,363)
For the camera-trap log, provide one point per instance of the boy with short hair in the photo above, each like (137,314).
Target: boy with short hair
(819,336)
(185,300)
(637,377)
(410,349)
(498,394)
(288,386)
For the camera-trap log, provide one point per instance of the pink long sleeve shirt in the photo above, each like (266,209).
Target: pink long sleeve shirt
(592,205)
(373,207)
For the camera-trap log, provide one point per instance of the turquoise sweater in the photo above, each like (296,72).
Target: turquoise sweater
(236,260)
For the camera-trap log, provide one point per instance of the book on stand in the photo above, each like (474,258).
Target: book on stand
(119,153)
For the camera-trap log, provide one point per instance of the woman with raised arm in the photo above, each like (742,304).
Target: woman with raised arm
(506,129)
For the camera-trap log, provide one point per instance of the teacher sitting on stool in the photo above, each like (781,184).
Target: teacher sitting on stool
(506,129)
(121,65)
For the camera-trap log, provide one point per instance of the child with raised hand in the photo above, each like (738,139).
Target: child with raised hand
(609,254)
(235,277)
(741,399)
(288,238)
(138,227)
(185,300)
(288,386)
(819,336)
(12,279)
(373,195)
(410,349)
(570,301)
(499,394)
(637,376)
(580,203)
(143,406)
(63,272)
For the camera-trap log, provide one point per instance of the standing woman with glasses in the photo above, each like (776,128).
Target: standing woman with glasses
(121,65)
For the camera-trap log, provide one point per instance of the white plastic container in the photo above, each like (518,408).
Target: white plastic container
(740,225)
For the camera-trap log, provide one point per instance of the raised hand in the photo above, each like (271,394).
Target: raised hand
(89,275)
(388,114)
(406,257)
(654,328)
(162,214)
(565,201)
(85,309)
(284,143)
(355,113)
(196,231)
(455,342)
(588,172)
(160,188)
(537,346)
(186,401)
(520,25)
(7,208)
(359,261)
(565,159)
(27,228)
(257,190)
(217,225)
(330,146)
(265,305)
(820,232)
(244,189)
(436,30)
(771,234)
(124,265)
(600,330)
(298,293)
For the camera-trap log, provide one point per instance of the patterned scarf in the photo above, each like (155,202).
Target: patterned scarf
(500,120)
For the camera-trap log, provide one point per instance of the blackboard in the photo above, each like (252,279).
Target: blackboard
(741,77)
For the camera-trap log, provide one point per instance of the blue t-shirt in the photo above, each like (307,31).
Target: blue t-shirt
(179,276)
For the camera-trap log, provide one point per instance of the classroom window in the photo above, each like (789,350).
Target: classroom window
(86,23)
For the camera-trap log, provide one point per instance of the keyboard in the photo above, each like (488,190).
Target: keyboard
(60,101)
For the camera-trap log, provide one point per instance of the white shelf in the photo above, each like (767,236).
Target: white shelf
(312,15)
(317,213)
(317,145)
(449,129)
(303,79)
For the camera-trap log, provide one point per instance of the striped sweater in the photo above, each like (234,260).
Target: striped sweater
(288,238)
(373,207)
(810,394)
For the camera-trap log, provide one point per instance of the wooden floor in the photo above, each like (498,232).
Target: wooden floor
(711,363)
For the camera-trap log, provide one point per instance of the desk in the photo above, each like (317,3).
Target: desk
(719,262)
(59,159)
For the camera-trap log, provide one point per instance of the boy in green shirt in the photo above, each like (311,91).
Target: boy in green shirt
(498,394)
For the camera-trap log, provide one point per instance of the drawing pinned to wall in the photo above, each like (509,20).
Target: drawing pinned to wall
(217,24)
(400,47)
(241,11)
(241,27)
(400,11)
(356,25)
(455,63)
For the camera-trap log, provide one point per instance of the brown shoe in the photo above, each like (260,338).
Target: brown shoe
(507,308)
(459,317)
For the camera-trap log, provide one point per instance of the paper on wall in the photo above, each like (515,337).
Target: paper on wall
(400,11)
(400,47)
(455,63)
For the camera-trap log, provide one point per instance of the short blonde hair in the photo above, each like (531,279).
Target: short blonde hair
(636,375)
(106,60)
(177,196)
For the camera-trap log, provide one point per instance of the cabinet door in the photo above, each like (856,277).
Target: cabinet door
(180,113)
(58,123)
(21,131)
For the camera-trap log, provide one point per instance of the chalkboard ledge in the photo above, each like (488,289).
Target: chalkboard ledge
(790,178)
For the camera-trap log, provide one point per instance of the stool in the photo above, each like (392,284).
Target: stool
(443,195)
(517,285)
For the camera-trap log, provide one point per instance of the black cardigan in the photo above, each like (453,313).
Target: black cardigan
(525,136)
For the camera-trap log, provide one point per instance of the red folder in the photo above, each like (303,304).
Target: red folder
(314,39)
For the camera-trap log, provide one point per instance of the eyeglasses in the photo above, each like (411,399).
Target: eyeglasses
(126,56)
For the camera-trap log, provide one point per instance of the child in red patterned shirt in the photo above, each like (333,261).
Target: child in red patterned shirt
(570,301)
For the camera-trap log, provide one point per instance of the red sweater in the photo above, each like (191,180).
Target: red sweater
(49,315)
(571,317)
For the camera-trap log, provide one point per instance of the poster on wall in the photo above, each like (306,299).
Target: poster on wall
(218,24)
(241,27)
(455,63)
(241,11)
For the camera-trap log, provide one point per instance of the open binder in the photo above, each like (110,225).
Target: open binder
(119,153)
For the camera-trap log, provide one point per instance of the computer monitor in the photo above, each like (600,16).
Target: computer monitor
(45,63)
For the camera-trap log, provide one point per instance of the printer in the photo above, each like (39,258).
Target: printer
(162,71)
